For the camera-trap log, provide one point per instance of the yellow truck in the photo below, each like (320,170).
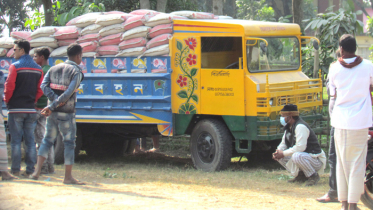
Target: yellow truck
(223,83)
(232,78)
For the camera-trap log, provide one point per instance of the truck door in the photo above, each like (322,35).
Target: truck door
(222,76)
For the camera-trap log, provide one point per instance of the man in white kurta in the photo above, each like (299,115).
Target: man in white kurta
(350,81)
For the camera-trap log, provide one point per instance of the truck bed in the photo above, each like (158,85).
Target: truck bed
(114,91)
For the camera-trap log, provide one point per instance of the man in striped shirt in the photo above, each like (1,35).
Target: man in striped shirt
(22,90)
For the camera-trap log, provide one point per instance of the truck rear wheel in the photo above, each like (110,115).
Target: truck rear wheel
(211,145)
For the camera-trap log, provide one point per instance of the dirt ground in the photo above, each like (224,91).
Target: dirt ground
(158,181)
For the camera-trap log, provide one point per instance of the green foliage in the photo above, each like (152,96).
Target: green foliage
(308,60)
(12,14)
(309,9)
(285,19)
(109,174)
(70,9)
(254,10)
(83,7)
(37,20)
(369,26)
(266,14)
(331,27)
(371,53)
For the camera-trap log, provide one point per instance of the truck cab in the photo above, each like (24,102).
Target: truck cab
(231,78)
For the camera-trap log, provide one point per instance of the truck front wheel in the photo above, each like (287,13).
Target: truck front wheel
(211,145)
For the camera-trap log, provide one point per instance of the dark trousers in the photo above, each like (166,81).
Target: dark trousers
(333,164)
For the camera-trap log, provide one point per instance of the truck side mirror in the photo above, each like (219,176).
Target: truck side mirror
(263,47)
(315,45)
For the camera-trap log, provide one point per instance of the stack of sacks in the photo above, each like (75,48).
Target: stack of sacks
(6,45)
(43,37)
(111,32)
(134,39)
(162,30)
(18,35)
(65,36)
(89,34)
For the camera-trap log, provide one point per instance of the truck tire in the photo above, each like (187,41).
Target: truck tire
(59,157)
(211,145)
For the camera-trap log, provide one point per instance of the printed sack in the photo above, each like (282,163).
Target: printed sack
(44,41)
(141,31)
(131,52)
(113,29)
(160,29)
(131,43)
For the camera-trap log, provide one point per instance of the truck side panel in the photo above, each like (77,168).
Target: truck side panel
(112,93)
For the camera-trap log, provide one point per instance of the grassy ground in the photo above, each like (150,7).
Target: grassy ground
(164,181)
(156,181)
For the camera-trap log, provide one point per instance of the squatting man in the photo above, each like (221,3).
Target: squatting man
(299,151)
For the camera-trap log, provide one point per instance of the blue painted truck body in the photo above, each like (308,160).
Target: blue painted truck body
(107,96)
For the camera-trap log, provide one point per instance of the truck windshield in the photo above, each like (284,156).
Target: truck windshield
(282,53)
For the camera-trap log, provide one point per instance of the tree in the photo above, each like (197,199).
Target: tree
(144,4)
(217,7)
(48,12)
(230,8)
(298,12)
(161,5)
(12,14)
(331,26)
(255,10)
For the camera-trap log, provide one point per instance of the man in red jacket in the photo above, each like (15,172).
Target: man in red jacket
(22,90)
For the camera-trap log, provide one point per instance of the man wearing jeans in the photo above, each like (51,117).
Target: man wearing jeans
(60,85)
(22,90)
(41,56)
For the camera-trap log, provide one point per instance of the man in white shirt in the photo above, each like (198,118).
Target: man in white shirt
(350,81)
(299,151)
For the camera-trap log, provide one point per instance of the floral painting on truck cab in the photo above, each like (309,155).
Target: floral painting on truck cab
(186,59)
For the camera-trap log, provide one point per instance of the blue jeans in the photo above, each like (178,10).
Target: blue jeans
(22,125)
(65,124)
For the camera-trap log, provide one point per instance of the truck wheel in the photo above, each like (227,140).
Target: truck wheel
(211,145)
(59,157)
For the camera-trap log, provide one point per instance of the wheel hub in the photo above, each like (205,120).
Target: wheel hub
(206,147)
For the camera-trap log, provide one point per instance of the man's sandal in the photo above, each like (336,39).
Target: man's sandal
(327,199)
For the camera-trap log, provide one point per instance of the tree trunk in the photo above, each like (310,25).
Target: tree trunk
(298,13)
(161,5)
(361,7)
(217,7)
(230,8)
(48,11)
(144,4)
(278,6)
(316,63)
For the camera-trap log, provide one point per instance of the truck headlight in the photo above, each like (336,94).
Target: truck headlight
(271,102)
